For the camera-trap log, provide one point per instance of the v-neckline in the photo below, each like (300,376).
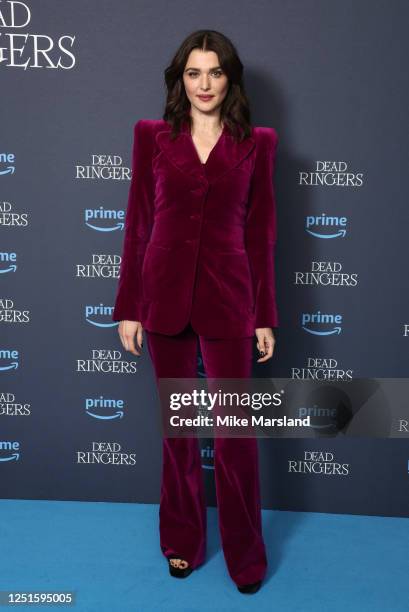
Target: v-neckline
(212,149)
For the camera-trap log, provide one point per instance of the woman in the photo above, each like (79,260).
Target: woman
(198,265)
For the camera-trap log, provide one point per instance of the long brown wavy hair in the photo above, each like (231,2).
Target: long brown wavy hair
(235,108)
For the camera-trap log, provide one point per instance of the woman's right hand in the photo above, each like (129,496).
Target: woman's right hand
(127,331)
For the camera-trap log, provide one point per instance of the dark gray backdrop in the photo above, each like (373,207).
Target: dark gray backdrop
(330,78)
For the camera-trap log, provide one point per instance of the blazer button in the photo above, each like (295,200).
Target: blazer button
(190,241)
(195,217)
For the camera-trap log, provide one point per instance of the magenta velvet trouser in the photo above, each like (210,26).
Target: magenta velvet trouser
(182,510)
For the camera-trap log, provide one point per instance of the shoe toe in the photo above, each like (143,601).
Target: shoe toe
(250,588)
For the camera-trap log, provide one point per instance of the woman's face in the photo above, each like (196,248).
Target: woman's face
(203,76)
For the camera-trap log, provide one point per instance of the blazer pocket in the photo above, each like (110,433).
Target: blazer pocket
(237,278)
(154,275)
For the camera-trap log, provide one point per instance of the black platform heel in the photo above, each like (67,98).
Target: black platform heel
(178,572)
(250,588)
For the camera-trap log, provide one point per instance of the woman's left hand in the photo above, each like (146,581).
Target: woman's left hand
(265,343)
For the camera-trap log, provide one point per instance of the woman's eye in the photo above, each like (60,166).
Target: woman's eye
(216,73)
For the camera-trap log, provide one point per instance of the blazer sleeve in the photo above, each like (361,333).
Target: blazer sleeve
(261,229)
(138,226)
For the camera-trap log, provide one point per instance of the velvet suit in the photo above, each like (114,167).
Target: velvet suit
(198,265)
(199,238)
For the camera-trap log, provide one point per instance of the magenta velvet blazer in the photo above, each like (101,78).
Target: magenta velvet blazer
(199,238)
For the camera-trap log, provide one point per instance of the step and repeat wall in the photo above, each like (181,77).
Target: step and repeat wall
(79,415)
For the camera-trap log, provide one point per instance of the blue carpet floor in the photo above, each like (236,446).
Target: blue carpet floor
(108,553)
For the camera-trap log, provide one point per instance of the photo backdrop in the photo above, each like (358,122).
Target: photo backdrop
(79,415)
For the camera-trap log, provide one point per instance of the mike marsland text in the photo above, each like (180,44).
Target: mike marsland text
(234,421)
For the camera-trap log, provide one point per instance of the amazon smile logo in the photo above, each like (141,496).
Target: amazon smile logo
(10,357)
(329,408)
(99,311)
(330,324)
(111,220)
(7,262)
(324,226)
(207,456)
(7,163)
(11,450)
(104,408)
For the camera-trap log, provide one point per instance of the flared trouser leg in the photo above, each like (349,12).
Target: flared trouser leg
(182,513)
(182,507)
(236,467)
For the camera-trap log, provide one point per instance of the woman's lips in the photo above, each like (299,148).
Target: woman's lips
(204,98)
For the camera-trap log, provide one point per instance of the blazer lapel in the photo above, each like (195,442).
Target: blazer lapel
(225,155)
